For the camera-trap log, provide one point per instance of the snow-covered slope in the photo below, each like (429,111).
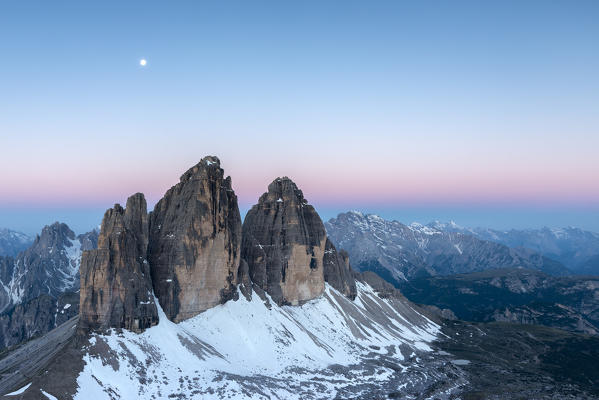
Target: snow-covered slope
(255,349)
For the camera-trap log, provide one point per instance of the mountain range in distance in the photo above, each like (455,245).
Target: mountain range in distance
(188,300)
(401,251)
(576,248)
(40,285)
(13,242)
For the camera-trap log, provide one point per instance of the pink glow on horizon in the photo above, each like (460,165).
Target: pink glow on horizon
(342,184)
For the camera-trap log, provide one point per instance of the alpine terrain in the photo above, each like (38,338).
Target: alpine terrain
(401,252)
(577,249)
(38,287)
(12,242)
(187,302)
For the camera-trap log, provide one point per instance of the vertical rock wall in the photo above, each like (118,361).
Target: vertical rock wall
(195,239)
(284,243)
(337,271)
(116,288)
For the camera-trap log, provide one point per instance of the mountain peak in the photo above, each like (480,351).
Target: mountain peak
(13,242)
(207,166)
(56,230)
(122,298)
(283,242)
(283,190)
(194,242)
(450,226)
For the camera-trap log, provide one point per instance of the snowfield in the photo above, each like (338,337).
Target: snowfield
(254,349)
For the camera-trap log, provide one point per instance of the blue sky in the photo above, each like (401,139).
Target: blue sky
(481,112)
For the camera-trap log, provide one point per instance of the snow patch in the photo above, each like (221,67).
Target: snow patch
(20,391)
(48,395)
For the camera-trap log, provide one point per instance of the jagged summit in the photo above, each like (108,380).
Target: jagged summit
(191,252)
(286,248)
(38,287)
(194,242)
(284,243)
(54,234)
(400,252)
(200,170)
(13,242)
(186,252)
(285,189)
(50,265)
(116,290)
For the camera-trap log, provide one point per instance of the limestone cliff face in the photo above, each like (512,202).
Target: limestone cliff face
(195,239)
(337,271)
(116,288)
(188,252)
(284,243)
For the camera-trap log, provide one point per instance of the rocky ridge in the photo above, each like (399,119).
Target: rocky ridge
(401,252)
(576,248)
(13,242)
(50,266)
(39,286)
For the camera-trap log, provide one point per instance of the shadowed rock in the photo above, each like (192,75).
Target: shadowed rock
(116,289)
(195,239)
(337,271)
(284,243)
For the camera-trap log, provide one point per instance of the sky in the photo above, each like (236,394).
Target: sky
(480,112)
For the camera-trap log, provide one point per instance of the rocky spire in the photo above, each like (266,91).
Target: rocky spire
(337,271)
(116,289)
(195,239)
(284,243)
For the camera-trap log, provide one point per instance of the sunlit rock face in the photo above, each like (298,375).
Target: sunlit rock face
(283,243)
(195,240)
(116,289)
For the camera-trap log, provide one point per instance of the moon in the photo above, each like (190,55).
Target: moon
(143,62)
